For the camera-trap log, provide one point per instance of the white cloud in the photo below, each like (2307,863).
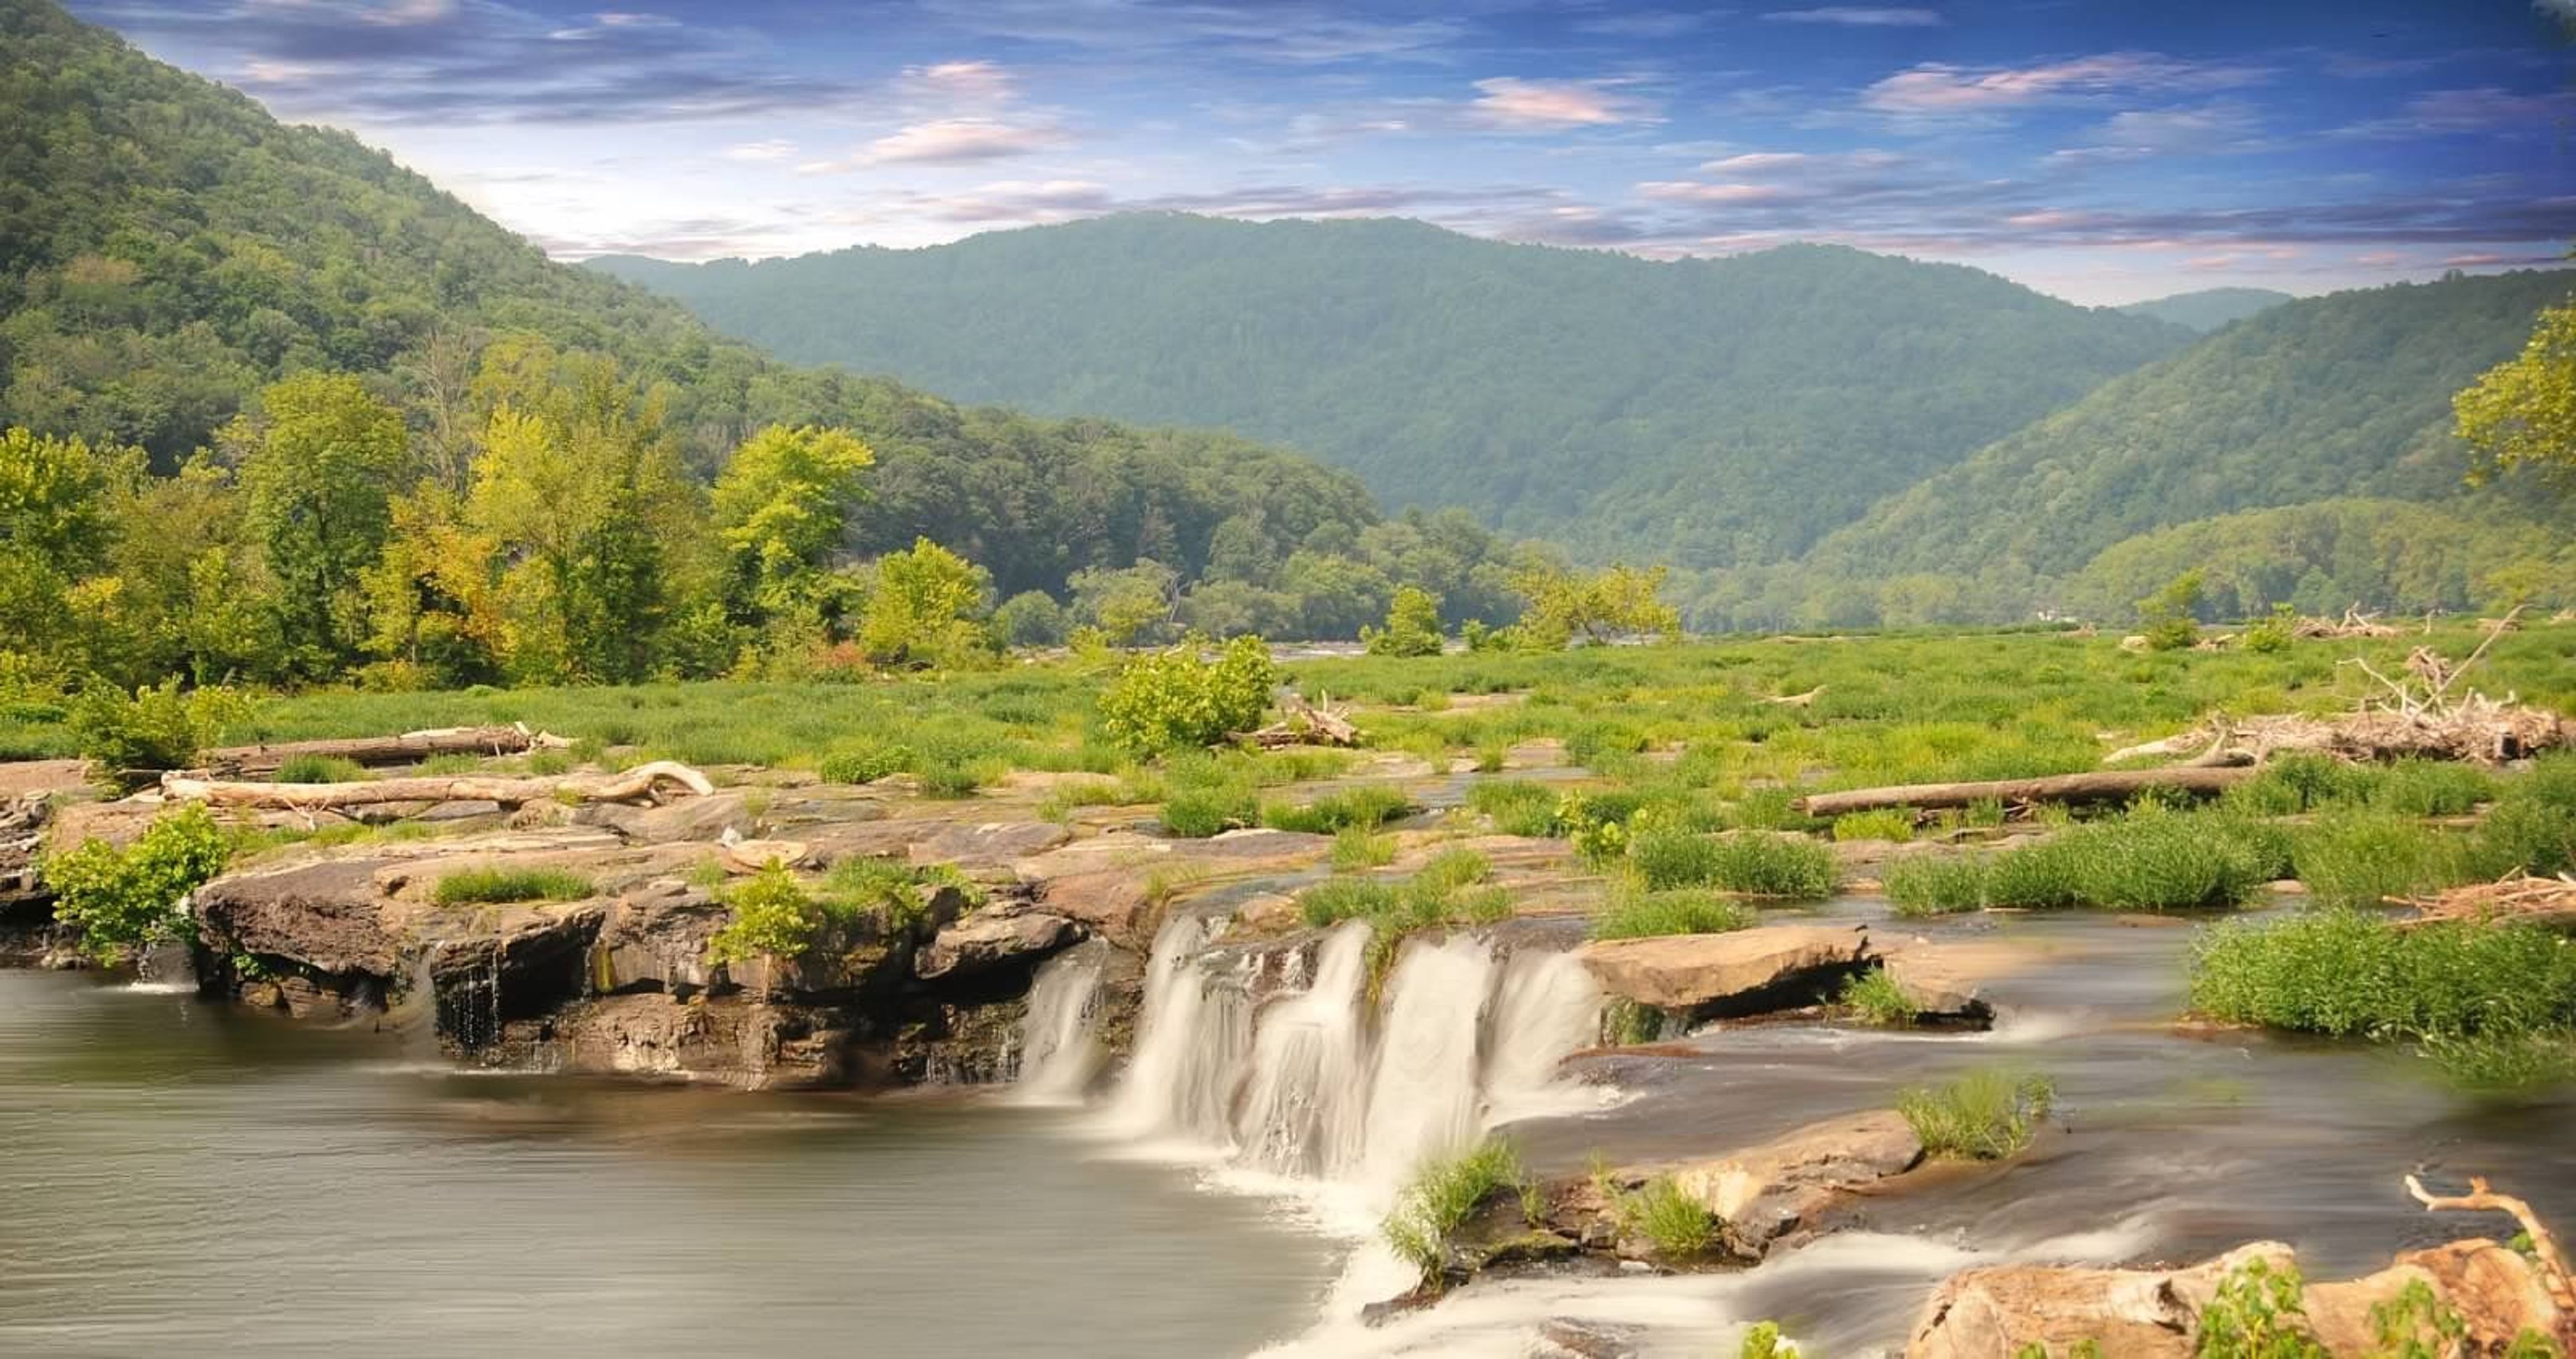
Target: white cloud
(756,152)
(1859,16)
(1939,88)
(1510,102)
(958,141)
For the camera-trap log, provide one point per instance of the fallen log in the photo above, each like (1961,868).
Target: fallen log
(2109,785)
(410,747)
(2552,1264)
(641,782)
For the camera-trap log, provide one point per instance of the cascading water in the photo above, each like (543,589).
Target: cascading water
(1058,1056)
(164,969)
(1191,1037)
(1545,1007)
(1304,1111)
(1425,1098)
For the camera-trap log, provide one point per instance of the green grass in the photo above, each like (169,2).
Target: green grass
(319,769)
(1937,884)
(1678,1226)
(2359,857)
(2147,860)
(1517,806)
(1636,915)
(1447,892)
(1981,1116)
(1363,808)
(1756,863)
(1874,998)
(501,886)
(863,762)
(2346,972)
(1357,848)
(1887,823)
(1443,1194)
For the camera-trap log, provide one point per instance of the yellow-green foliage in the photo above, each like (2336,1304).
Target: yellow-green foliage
(1887,823)
(127,738)
(1873,997)
(122,899)
(1444,1193)
(1637,914)
(499,886)
(1679,1226)
(1412,625)
(1981,1116)
(1175,699)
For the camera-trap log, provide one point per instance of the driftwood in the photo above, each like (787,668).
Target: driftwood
(2519,899)
(2552,1263)
(1305,725)
(641,782)
(2354,623)
(2110,785)
(1797,700)
(409,748)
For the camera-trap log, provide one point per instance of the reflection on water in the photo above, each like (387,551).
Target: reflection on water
(180,1178)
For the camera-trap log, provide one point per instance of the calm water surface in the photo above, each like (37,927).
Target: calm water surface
(178,1178)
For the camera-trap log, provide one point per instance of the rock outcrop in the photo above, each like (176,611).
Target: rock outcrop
(1775,1189)
(1708,976)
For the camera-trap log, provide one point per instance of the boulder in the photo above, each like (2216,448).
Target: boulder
(530,961)
(655,939)
(987,941)
(735,1042)
(991,845)
(1780,1186)
(1113,903)
(1946,979)
(328,915)
(1741,972)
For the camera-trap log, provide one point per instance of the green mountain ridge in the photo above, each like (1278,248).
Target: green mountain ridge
(2208,309)
(1705,412)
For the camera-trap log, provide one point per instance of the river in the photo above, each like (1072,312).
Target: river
(183,1178)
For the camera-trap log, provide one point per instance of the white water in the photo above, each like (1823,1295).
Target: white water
(1191,1037)
(1058,1055)
(164,970)
(1302,1108)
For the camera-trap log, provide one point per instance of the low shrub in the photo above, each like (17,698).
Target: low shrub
(773,914)
(2258,1312)
(1636,915)
(131,738)
(501,886)
(1356,848)
(1757,863)
(1937,884)
(129,899)
(1518,806)
(1444,1193)
(1363,808)
(1981,1116)
(863,762)
(1175,700)
(1874,998)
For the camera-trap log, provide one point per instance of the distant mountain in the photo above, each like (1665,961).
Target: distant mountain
(1701,411)
(2347,395)
(2209,308)
(167,247)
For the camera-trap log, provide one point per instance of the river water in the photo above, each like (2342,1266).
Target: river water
(180,1178)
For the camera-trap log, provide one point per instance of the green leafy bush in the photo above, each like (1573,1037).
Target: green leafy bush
(772,914)
(2272,632)
(500,886)
(131,738)
(1175,700)
(1762,1341)
(2166,617)
(1981,1116)
(2258,1313)
(864,762)
(1412,625)
(1444,1193)
(1757,863)
(2346,972)
(125,899)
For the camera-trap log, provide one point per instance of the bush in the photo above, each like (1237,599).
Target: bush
(320,769)
(1356,847)
(2166,617)
(1444,1193)
(1637,915)
(130,739)
(130,898)
(2357,857)
(2148,860)
(864,762)
(1362,808)
(1203,798)
(2258,1313)
(1174,700)
(2272,632)
(1412,625)
(501,886)
(772,914)
(1874,998)
(2346,972)
(1982,1116)
(1937,884)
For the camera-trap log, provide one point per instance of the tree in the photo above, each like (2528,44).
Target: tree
(1029,618)
(779,509)
(2170,616)
(1128,604)
(2522,413)
(1412,625)
(54,498)
(320,467)
(1176,699)
(1595,605)
(926,609)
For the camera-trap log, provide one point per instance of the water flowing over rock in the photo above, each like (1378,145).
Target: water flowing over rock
(1059,1052)
(1742,972)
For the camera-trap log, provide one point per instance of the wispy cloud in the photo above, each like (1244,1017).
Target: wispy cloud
(1549,105)
(1940,88)
(1859,16)
(959,141)
(2484,110)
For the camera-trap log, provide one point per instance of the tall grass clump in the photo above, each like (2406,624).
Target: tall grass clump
(320,769)
(1204,797)
(2351,973)
(2357,857)
(1676,1224)
(1981,1116)
(1938,884)
(1357,848)
(2147,860)
(2533,826)
(1886,823)
(1363,808)
(863,762)
(501,886)
(1756,863)
(1874,998)
(1638,915)
(1444,1193)
(1517,806)
(1447,891)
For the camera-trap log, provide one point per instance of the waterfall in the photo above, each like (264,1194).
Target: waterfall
(1058,1056)
(1318,1085)
(1303,1107)
(164,969)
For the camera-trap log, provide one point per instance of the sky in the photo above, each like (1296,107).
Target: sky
(2101,150)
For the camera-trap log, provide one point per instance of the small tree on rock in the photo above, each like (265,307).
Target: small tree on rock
(1412,625)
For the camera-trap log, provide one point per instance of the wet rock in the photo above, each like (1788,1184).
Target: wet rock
(734,1041)
(328,915)
(988,941)
(960,1044)
(1771,1190)
(2155,1313)
(1569,1338)
(1116,904)
(1947,979)
(989,846)
(694,818)
(1742,972)
(532,961)
(655,939)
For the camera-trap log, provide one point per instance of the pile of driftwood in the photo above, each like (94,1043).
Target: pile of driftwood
(1306,724)
(2519,899)
(2354,623)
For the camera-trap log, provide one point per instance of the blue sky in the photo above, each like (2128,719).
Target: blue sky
(2098,149)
